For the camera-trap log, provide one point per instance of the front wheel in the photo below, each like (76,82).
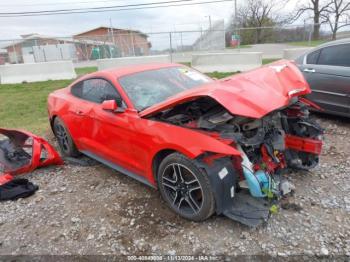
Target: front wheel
(185,188)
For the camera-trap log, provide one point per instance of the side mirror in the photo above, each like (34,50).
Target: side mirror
(109,105)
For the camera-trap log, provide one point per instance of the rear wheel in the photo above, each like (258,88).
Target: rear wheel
(185,187)
(64,138)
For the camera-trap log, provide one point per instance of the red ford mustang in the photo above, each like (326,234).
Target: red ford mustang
(207,145)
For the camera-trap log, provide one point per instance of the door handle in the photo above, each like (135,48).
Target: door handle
(309,70)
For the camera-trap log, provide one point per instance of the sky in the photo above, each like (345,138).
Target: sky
(149,20)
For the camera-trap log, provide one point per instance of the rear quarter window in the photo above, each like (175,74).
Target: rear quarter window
(312,58)
(96,90)
(77,89)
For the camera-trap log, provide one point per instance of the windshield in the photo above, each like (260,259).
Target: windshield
(151,87)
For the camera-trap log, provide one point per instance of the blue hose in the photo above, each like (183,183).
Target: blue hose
(258,182)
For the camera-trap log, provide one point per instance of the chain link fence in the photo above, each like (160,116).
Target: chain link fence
(298,35)
(110,44)
(180,45)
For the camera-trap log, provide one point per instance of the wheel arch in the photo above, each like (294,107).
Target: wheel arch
(158,158)
(190,151)
(163,153)
(52,119)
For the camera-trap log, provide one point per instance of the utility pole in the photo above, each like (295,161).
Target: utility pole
(182,44)
(112,36)
(201,39)
(14,51)
(209,31)
(112,30)
(235,19)
(132,42)
(209,18)
(171,47)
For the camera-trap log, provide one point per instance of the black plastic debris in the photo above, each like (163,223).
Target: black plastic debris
(17,188)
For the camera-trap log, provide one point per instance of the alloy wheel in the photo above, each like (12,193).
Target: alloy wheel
(182,188)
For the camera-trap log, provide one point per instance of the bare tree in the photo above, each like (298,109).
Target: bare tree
(319,9)
(337,15)
(258,14)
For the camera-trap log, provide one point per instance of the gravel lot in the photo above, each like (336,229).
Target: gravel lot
(94,210)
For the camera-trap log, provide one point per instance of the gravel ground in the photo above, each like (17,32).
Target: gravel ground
(94,210)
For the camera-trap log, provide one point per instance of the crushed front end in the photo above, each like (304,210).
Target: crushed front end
(263,115)
(283,140)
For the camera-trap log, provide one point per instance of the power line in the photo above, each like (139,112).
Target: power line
(107,9)
(61,3)
(94,8)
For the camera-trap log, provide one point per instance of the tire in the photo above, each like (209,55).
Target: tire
(64,139)
(185,188)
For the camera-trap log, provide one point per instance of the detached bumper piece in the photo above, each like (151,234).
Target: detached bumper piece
(248,210)
(22,152)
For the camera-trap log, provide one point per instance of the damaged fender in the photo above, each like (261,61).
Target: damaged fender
(23,152)
(223,178)
(235,204)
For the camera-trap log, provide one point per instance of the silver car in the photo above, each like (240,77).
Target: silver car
(327,70)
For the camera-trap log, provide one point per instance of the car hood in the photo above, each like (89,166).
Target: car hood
(251,94)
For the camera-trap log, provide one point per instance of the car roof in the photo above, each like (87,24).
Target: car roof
(335,42)
(330,43)
(131,69)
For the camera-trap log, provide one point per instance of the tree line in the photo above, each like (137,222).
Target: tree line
(260,21)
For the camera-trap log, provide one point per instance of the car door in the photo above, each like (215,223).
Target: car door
(77,119)
(111,134)
(327,70)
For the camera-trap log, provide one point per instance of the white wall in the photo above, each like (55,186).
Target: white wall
(34,72)
(226,62)
(126,61)
(47,53)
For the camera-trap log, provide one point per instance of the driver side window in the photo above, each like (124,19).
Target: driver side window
(96,90)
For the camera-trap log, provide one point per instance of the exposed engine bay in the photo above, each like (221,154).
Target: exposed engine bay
(284,139)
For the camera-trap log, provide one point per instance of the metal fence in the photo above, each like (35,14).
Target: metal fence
(111,44)
(179,44)
(290,34)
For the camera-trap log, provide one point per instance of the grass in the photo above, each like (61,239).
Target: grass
(85,70)
(269,60)
(307,43)
(241,46)
(24,106)
(219,75)
(186,63)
